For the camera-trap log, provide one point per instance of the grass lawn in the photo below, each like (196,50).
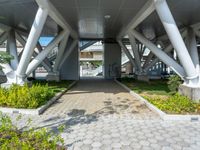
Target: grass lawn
(158,93)
(56,87)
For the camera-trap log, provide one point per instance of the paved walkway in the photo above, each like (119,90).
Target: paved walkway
(101,115)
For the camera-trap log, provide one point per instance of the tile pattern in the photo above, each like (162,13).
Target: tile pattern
(100,115)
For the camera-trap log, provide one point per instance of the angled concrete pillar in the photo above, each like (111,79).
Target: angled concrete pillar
(12,49)
(45,64)
(176,40)
(3,37)
(192,48)
(41,56)
(135,52)
(128,54)
(154,61)
(32,40)
(160,54)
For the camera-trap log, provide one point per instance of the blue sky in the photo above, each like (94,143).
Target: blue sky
(44,41)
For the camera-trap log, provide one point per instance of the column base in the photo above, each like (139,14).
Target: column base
(144,78)
(53,77)
(191,92)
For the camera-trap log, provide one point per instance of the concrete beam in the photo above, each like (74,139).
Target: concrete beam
(56,16)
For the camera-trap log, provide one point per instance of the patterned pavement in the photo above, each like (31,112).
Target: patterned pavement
(100,115)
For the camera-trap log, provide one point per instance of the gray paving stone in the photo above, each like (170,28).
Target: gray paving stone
(96,144)
(88,129)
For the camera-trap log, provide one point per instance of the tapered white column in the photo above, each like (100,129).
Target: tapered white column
(32,40)
(128,54)
(41,56)
(61,51)
(135,51)
(192,48)
(12,49)
(160,54)
(175,38)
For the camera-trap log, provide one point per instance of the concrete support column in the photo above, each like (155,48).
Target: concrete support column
(12,49)
(32,40)
(69,68)
(68,52)
(192,48)
(135,52)
(176,40)
(61,51)
(112,67)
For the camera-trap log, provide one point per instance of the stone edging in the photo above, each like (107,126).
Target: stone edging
(163,115)
(39,110)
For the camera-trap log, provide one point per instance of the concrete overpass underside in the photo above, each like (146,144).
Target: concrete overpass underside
(162,26)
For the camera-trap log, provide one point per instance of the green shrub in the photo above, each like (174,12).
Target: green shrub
(173,83)
(25,96)
(13,139)
(5,57)
(177,104)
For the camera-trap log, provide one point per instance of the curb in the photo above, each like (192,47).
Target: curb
(39,110)
(163,115)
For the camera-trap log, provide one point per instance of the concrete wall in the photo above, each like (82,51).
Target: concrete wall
(70,68)
(112,60)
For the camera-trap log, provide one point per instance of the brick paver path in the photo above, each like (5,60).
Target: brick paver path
(101,115)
